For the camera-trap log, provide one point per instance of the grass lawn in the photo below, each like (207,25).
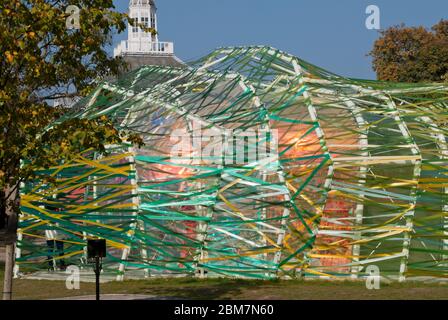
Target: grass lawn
(189,288)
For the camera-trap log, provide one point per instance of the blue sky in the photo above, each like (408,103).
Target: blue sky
(328,33)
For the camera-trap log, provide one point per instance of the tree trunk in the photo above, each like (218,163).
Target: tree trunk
(9,207)
(9,266)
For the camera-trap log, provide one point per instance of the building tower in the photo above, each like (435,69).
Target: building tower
(144,48)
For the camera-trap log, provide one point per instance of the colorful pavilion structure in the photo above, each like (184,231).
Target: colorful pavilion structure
(354,173)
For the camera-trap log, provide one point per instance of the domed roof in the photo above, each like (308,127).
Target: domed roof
(141,3)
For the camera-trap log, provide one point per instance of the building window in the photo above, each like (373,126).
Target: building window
(135,27)
(145,21)
(153,20)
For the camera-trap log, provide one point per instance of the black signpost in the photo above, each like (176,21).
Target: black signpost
(96,250)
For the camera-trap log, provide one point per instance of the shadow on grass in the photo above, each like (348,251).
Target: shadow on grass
(191,288)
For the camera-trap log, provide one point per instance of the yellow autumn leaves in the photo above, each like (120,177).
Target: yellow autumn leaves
(10,56)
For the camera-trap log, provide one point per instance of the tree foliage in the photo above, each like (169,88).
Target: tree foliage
(412,54)
(40,61)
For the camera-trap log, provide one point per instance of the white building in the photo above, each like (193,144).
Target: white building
(144,48)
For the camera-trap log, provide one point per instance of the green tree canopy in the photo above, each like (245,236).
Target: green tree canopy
(42,60)
(412,54)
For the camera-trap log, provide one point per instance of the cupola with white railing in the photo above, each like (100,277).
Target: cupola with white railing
(143,12)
